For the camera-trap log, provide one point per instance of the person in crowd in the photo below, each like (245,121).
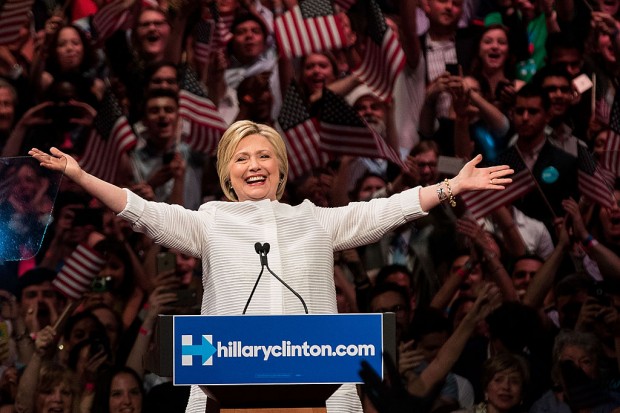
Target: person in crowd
(39,303)
(161,160)
(67,50)
(577,373)
(554,170)
(523,270)
(388,297)
(505,379)
(118,390)
(492,66)
(46,386)
(253,168)
(249,54)
(8,106)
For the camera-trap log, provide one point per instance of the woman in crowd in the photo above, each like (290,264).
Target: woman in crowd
(118,390)
(577,374)
(504,378)
(70,52)
(492,65)
(319,70)
(53,384)
(253,167)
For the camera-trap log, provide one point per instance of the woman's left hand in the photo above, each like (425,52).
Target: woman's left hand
(471,178)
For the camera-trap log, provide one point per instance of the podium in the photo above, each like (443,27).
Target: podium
(270,364)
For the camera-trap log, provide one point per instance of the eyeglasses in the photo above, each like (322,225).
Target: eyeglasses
(425,164)
(552,88)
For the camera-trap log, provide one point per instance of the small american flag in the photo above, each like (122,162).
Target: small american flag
(309,27)
(13,16)
(592,181)
(344,5)
(300,134)
(110,18)
(223,23)
(207,126)
(384,58)
(611,156)
(481,203)
(111,136)
(344,131)
(203,38)
(78,272)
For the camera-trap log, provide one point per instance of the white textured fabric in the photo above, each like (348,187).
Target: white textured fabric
(303,239)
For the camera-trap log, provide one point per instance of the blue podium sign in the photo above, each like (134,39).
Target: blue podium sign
(280,349)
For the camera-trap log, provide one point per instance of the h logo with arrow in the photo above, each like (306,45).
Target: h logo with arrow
(205,349)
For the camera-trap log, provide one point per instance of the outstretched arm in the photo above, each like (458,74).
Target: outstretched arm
(469,178)
(111,195)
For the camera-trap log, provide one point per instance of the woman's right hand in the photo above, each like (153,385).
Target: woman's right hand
(57,160)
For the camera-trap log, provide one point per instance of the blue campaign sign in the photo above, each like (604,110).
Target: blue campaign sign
(276,349)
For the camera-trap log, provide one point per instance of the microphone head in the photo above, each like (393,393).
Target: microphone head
(258,247)
(266,247)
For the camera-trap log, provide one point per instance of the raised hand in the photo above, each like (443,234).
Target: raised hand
(56,160)
(471,178)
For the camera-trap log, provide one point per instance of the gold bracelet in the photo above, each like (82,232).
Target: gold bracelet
(440,194)
(450,194)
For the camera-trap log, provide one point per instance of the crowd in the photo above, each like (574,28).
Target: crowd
(535,78)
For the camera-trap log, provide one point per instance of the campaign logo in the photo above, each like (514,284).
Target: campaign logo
(205,350)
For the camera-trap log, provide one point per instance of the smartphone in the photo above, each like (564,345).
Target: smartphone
(88,216)
(185,297)
(453,69)
(597,291)
(167,158)
(166,262)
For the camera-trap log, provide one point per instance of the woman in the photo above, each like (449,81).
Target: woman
(577,374)
(253,167)
(69,52)
(46,386)
(118,390)
(319,70)
(492,63)
(504,378)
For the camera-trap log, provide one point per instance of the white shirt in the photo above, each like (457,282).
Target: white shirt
(303,239)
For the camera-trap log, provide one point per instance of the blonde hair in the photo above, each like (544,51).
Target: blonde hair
(228,144)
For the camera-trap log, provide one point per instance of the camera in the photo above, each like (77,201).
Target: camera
(62,113)
(101,284)
(597,291)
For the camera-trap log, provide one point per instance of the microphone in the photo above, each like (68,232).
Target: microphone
(262,250)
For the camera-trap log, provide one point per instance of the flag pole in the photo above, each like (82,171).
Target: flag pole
(546,201)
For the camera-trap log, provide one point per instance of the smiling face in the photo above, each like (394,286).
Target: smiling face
(493,49)
(70,50)
(254,172)
(152,33)
(504,390)
(610,220)
(559,90)
(248,41)
(161,118)
(125,394)
(317,72)
(55,400)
